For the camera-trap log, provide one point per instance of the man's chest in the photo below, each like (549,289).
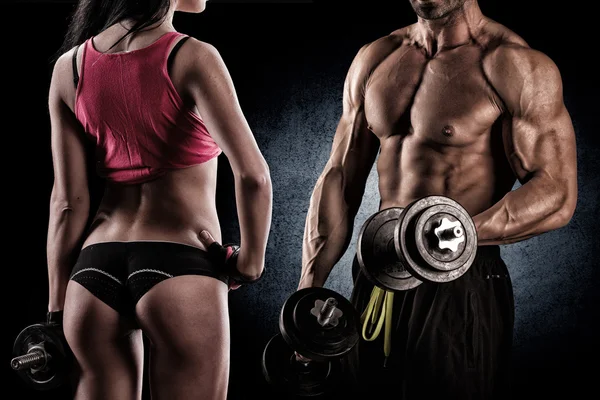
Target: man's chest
(447,96)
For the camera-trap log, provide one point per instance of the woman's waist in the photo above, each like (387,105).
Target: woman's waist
(180,225)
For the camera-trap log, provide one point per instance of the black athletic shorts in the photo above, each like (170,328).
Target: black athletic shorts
(449,340)
(120,273)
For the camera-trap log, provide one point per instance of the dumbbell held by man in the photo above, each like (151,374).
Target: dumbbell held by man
(433,239)
(318,327)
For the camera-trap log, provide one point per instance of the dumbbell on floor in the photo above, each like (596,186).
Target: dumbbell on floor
(433,239)
(41,357)
(318,326)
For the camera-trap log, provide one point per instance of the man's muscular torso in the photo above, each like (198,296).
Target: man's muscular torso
(439,120)
(459,107)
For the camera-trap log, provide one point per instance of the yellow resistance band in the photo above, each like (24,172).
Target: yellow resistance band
(380,309)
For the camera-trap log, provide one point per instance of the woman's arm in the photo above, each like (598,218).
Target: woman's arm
(212,90)
(69,201)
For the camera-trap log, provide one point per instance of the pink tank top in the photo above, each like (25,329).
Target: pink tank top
(127,103)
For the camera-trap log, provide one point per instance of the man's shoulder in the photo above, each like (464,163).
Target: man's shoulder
(503,45)
(404,33)
(392,40)
(512,66)
(372,53)
(493,34)
(507,53)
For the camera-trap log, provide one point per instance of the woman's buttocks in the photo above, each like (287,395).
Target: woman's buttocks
(175,207)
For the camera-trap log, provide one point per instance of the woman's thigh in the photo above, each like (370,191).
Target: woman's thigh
(186,320)
(107,347)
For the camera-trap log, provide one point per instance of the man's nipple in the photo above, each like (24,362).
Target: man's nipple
(448,131)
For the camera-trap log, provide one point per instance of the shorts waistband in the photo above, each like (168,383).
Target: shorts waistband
(488,251)
(137,243)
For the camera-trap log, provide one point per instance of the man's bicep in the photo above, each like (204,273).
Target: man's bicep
(542,146)
(354,146)
(353,153)
(539,136)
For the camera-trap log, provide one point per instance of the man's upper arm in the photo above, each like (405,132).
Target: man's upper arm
(67,140)
(338,192)
(354,147)
(539,135)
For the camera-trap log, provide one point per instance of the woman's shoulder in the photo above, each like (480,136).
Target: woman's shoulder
(65,58)
(201,57)
(200,49)
(62,70)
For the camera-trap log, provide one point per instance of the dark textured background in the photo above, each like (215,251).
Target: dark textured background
(288,62)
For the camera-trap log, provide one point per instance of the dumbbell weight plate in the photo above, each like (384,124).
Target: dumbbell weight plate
(300,328)
(281,369)
(428,256)
(377,255)
(53,373)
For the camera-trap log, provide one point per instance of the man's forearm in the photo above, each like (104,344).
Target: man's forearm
(538,206)
(328,229)
(65,230)
(320,253)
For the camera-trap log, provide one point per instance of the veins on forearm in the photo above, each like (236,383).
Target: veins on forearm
(523,213)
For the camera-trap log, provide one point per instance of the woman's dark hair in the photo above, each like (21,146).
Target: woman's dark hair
(93,16)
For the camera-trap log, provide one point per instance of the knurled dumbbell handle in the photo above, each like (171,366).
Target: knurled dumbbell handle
(326,311)
(32,359)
